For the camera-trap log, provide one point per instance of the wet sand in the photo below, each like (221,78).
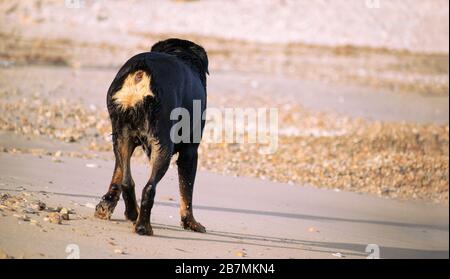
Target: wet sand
(243,217)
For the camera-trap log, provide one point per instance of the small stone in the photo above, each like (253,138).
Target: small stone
(313,230)
(119,251)
(241,254)
(22,217)
(54,218)
(64,213)
(54,209)
(29,210)
(56,160)
(4,196)
(39,206)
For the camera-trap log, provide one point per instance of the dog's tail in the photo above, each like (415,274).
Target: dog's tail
(187,51)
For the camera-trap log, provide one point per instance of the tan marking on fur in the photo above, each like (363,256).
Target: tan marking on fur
(183,206)
(135,87)
(117,176)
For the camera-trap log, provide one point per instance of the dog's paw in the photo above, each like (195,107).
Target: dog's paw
(143,229)
(193,226)
(105,209)
(132,215)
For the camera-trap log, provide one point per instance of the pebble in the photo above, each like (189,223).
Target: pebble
(22,217)
(64,212)
(56,160)
(54,218)
(313,230)
(29,210)
(38,206)
(4,196)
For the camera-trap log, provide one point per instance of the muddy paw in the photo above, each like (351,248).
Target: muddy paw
(145,229)
(105,209)
(193,226)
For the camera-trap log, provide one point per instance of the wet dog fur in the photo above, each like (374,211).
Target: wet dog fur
(140,99)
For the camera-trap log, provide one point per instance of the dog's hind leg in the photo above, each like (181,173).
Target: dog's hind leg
(128,193)
(187,169)
(160,160)
(121,181)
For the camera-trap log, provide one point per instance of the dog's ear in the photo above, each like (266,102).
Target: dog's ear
(201,53)
(185,50)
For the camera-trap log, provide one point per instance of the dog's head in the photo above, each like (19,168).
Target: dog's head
(186,50)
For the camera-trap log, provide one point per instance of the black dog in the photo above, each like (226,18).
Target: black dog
(140,99)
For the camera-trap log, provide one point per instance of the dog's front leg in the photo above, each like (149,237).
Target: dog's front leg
(160,160)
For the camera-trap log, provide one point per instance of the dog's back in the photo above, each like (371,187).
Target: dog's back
(170,76)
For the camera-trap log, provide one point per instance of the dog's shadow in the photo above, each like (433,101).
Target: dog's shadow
(324,248)
(351,249)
